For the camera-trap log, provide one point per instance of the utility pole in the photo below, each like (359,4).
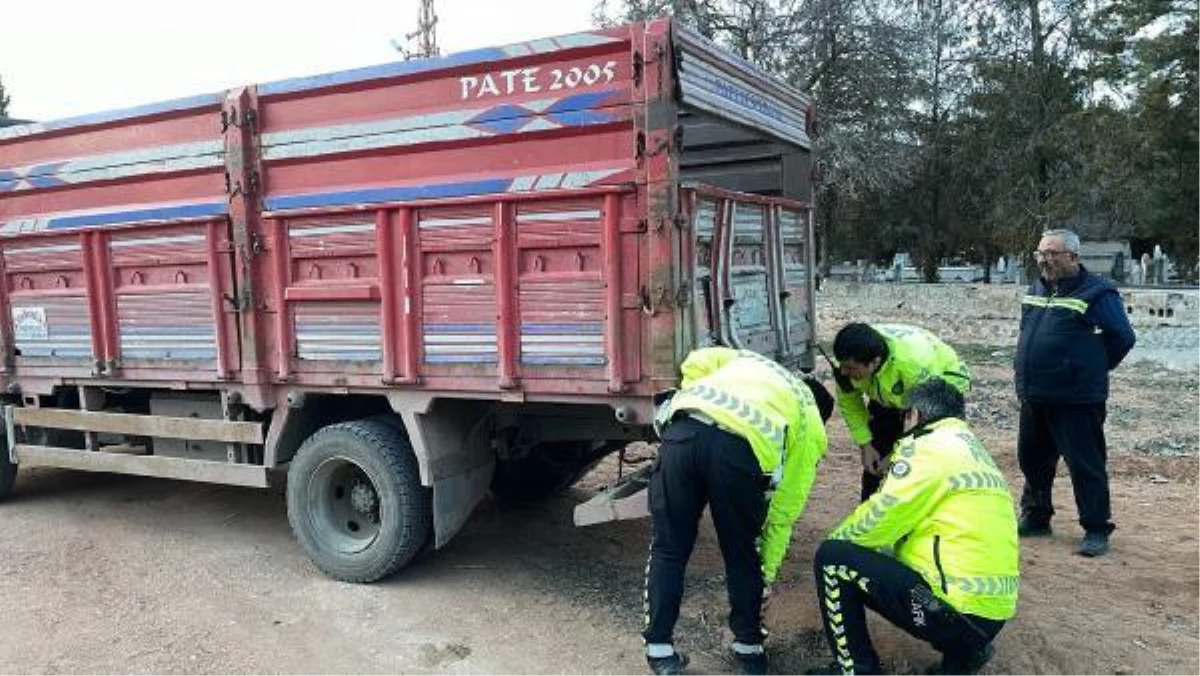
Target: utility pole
(425,35)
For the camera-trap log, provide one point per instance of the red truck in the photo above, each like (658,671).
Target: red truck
(406,284)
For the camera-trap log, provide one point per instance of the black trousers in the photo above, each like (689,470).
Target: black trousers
(1076,433)
(851,578)
(699,464)
(886,425)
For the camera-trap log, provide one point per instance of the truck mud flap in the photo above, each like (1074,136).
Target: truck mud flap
(454,498)
(627,499)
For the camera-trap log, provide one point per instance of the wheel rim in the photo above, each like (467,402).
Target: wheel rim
(344,506)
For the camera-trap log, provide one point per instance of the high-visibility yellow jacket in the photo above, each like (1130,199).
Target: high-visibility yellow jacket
(914,354)
(771,408)
(946,511)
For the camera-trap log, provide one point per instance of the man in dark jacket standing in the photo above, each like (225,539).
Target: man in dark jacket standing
(1074,330)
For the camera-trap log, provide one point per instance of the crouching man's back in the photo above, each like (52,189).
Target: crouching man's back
(935,550)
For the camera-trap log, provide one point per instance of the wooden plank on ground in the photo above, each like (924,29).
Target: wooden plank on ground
(142,425)
(29,455)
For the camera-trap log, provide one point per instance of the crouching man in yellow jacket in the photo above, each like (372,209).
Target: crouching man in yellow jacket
(739,426)
(934,550)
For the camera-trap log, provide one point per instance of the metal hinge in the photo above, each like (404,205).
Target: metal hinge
(683,297)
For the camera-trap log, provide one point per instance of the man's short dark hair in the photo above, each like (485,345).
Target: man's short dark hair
(859,342)
(822,396)
(935,399)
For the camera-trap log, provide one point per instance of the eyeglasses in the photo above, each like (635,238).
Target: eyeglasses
(1047,254)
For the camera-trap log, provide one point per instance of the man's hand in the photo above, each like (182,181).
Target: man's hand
(872,460)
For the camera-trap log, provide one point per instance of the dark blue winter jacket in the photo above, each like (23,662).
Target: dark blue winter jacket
(1070,339)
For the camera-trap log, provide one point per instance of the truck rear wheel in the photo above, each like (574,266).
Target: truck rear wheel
(355,501)
(8,470)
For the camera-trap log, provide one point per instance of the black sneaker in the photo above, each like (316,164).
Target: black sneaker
(672,664)
(1033,527)
(964,664)
(752,664)
(1093,544)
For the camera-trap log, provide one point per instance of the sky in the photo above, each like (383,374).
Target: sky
(62,58)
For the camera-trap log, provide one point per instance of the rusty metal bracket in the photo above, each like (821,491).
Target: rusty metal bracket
(234,302)
(660,54)
(652,306)
(229,118)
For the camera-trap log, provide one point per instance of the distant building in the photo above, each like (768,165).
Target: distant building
(1107,258)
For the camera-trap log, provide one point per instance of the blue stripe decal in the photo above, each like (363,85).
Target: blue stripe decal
(563,361)
(580,118)
(161,330)
(115,115)
(48,169)
(582,329)
(45,181)
(503,119)
(394,69)
(460,328)
(158,214)
(401,194)
(584,100)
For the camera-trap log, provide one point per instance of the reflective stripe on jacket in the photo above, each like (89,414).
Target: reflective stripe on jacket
(914,354)
(1070,339)
(945,509)
(754,397)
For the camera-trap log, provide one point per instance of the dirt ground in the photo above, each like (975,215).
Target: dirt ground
(112,574)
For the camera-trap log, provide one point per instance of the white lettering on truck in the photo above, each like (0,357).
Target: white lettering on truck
(533,80)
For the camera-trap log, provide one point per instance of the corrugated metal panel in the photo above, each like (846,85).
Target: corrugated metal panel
(346,331)
(458,298)
(751,314)
(553,227)
(704,225)
(561,289)
(345,236)
(64,331)
(42,258)
(793,230)
(749,223)
(718,82)
(562,322)
(149,251)
(459,342)
(169,325)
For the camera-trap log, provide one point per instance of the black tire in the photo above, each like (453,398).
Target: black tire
(355,501)
(8,470)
